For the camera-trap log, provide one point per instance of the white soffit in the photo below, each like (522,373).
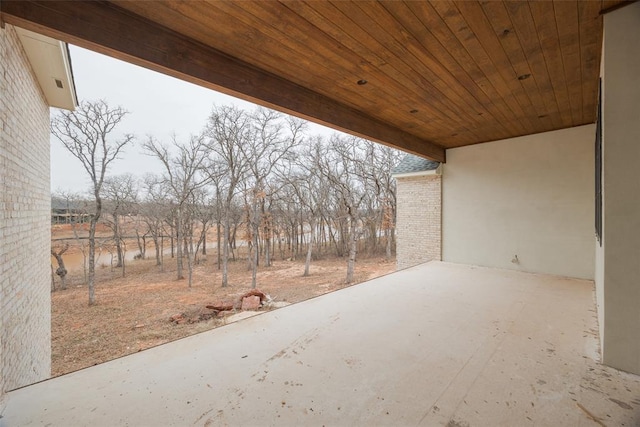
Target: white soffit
(51,65)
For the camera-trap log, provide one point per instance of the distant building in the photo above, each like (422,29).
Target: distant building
(68,212)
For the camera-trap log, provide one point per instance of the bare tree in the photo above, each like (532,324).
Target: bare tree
(338,167)
(86,134)
(228,130)
(310,190)
(154,211)
(373,167)
(120,193)
(271,146)
(203,214)
(182,178)
(376,170)
(217,179)
(61,271)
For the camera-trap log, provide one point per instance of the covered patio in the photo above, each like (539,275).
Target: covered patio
(436,344)
(505,94)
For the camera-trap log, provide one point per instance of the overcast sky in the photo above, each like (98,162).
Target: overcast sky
(159,105)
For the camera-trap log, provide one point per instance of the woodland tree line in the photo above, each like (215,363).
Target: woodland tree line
(256,177)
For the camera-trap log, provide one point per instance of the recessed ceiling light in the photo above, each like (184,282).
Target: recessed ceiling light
(524,76)
(362,82)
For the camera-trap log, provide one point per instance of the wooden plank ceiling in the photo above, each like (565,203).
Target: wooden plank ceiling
(421,76)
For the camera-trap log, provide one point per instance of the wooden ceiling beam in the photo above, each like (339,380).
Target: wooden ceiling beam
(108,29)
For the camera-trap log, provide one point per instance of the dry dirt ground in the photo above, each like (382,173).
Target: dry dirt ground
(133,313)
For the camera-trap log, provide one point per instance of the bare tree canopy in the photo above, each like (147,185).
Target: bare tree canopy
(154,210)
(120,193)
(265,184)
(228,130)
(182,178)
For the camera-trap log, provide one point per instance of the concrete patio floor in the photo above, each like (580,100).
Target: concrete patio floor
(437,344)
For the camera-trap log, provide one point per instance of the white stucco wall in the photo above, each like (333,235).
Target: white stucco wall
(619,258)
(530,196)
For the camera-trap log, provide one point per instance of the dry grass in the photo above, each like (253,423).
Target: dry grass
(132,313)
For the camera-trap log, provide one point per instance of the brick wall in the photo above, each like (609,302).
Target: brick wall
(418,222)
(25,304)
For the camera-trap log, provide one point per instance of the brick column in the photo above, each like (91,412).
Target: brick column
(419,220)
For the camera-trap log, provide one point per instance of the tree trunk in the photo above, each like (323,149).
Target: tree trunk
(232,241)
(307,262)
(344,234)
(250,256)
(218,236)
(204,240)
(387,234)
(116,237)
(267,228)
(190,255)
(332,239)
(294,233)
(393,238)
(267,252)
(162,253)
(196,260)
(155,243)
(254,260)
(225,255)
(352,251)
(179,245)
(172,253)
(92,260)
(141,244)
(119,254)
(61,271)
(256,247)
(321,235)
(123,249)
(254,267)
